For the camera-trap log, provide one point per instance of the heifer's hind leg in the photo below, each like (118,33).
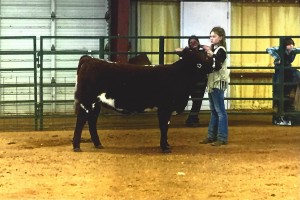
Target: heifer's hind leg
(92,120)
(163,119)
(80,122)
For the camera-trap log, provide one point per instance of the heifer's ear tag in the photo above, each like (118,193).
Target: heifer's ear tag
(199,65)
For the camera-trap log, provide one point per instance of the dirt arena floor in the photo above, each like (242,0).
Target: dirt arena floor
(261,161)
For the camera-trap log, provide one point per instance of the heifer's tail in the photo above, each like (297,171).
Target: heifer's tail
(78,91)
(82,60)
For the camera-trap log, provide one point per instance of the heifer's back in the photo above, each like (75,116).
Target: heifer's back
(141,59)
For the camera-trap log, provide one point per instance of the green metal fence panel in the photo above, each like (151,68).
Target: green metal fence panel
(18,84)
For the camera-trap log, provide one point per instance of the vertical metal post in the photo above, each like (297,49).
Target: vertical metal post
(101,47)
(53,56)
(41,85)
(281,77)
(35,66)
(161,50)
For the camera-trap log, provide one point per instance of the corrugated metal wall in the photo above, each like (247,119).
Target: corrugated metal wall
(46,18)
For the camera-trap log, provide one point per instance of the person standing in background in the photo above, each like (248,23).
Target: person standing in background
(198,89)
(290,74)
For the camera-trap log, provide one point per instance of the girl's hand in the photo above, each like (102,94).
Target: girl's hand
(209,53)
(205,47)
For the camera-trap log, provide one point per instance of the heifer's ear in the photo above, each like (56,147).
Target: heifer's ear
(186,52)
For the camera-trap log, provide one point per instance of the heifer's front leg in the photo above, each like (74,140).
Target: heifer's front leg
(163,119)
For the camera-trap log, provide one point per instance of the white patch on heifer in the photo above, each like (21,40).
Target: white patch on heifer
(109,102)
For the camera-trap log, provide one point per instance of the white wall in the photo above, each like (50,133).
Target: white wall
(198,18)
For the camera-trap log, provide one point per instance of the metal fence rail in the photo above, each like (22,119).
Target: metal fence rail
(52,101)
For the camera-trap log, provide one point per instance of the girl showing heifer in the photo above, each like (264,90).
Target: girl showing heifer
(217,84)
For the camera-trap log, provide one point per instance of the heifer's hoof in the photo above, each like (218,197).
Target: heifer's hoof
(165,145)
(99,146)
(77,149)
(168,146)
(166,149)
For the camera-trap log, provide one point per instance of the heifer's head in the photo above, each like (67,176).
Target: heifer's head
(195,61)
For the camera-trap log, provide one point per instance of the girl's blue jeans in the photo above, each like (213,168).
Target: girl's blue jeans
(218,125)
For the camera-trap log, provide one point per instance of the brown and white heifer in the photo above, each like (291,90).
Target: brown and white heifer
(132,88)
